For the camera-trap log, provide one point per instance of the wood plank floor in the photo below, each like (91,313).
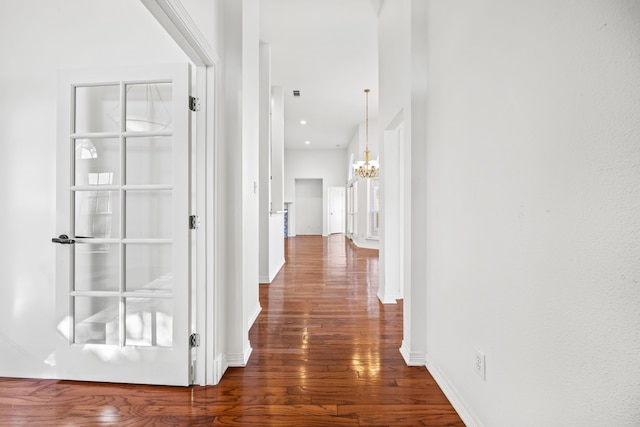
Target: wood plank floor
(325,354)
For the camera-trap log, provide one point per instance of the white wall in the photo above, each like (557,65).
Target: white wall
(265,158)
(277,148)
(208,16)
(230,27)
(328,165)
(36,39)
(241,136)
(250,150)
(394,70)
(276,222)
(276,246)
(533,165)
(271,172)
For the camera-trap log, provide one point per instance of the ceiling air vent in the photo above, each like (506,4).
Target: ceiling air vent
(296,93)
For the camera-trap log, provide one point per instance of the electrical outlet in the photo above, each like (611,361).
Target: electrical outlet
(479,364)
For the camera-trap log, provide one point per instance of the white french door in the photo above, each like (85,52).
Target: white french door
(122,281)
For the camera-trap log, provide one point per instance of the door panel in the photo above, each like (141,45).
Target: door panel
(122,283)
(336,210)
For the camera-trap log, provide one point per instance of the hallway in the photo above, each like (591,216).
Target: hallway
(325,354)
(326,350)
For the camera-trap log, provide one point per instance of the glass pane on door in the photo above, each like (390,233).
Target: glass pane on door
(149,160)
(148,214)
(97,214)
(149,322)
(97,267)
(97,109)
(97,161)
(149,107)
(149,268)
(97,320)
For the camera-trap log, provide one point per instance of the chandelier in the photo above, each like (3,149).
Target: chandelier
(366,169)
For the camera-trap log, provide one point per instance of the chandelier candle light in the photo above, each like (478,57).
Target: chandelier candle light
(366,169)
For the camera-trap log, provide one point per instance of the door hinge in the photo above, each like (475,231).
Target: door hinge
(194,222)
(194,340)
(194,103)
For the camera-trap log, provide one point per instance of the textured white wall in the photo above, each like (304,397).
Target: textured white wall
(533,209)
(37,38)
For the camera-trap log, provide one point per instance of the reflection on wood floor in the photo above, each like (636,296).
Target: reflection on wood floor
(325,353)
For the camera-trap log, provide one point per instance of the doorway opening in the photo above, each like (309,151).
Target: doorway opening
(308,206)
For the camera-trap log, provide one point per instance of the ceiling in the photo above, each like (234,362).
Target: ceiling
(328,50)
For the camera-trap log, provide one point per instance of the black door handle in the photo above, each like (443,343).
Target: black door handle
(63,239)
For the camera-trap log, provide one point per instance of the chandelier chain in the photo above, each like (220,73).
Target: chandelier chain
(366,169)
(366,91)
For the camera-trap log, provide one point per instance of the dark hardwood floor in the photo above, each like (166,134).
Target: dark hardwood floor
(325,354)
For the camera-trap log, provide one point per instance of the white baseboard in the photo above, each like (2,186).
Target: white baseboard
(254,316)
(469,419)
(275,271)
(388,299)
(264,280)
(366,244)
(412,358)
(239,360)
(225,361)
(220,366)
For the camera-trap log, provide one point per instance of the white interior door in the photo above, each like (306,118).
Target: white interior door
(122,281)
(336,209)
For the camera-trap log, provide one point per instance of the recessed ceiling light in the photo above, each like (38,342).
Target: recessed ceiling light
(303,122)
(307,142)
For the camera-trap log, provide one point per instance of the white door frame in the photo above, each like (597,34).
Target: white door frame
(392,230)
(174,18)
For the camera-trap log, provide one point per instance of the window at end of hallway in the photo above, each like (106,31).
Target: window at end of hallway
(373,208)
